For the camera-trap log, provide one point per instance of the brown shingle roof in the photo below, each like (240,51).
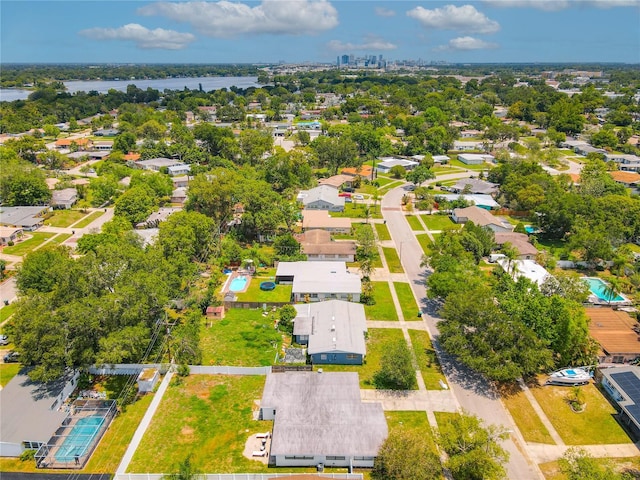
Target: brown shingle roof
(519,240)
(612,329)
(625,177)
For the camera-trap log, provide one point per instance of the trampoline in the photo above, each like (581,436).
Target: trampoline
(267,286)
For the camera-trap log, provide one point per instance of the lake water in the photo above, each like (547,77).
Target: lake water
(103,86)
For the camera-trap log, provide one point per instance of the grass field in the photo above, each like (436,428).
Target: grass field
(393,260)
(384,308)
(427,359)
(437,222)
(22,248)
(358,210)
(6,311)
(282,293)
(87,221)
(414,222)
(64,218)
(425,242)
(243,338)
(8,371)
(407,301)
(594,426)
(377,340)
(382,231)
(207,417)
(551,470)
(527,420)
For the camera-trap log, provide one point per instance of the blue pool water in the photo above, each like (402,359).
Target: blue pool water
(238,284)
(79,439)
(599,289)
(530,229)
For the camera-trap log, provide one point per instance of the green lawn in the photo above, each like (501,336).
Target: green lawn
(407,301)
(282,293)
(444,417)
(64,218)
(377,340)
(551,470)
(60,238)
(243,338)
(411,420)
(384,308)
(527,420)
(207,417)
(90,218)
(414,222)
(111,448)
(383,181)
(458,163)
(390,186)
(22,248)
(393,261)
(382,231)
(7,311)
(437,222)
(425,242)
(594,426)
(634,248)
(8,371)
(427,359)
(357,210)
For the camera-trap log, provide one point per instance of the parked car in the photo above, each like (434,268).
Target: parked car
(11,357)
(358,196)
(4,340)
(344,194)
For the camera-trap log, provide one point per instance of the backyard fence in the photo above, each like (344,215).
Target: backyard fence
(242,476)
(255,304)
(136,368)
(291,368)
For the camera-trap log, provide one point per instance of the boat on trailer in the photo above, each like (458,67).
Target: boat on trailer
(569,376)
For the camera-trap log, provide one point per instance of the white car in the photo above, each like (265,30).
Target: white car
(358,196)
(4,340)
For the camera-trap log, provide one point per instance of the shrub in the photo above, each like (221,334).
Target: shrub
(10,243)
(27,455)
(183,370)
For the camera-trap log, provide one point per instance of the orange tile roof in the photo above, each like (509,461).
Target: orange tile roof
(625,177)
(63,142)
(575,177)
(612,329)
(132,156)
(363,171)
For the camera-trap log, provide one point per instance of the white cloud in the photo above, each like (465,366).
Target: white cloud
(463,19)
(370,43)
(384,12)
(226,19)
(142,36)
(466,43)
(557,5)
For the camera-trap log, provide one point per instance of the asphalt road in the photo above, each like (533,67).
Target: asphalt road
(473,393)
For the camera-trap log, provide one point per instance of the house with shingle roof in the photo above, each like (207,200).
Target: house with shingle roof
(323,197)
(318,246)
(480,216)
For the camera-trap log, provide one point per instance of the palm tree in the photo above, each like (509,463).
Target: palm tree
(612,289)
(511,253)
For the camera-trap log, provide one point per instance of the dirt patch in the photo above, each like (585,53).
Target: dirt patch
(187,431)
(256,444)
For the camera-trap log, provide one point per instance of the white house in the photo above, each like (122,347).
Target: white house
(323,197)
(64,198)
(387,163)
(475,158)
(179,170)
(317,281)
(524,268)
(319,418)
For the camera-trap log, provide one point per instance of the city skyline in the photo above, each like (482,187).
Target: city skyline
(270,31)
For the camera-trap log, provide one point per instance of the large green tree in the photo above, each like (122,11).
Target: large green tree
(406,455)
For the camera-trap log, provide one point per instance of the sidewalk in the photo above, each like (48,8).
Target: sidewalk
(542,453)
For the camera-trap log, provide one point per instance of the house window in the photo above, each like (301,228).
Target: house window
(323,357)
(351,356)
(329,458)
(32,445)
(618,359)
(363,458)
(314,295)
(298,457)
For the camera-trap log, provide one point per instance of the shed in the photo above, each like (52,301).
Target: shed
(147,380)
(215,313)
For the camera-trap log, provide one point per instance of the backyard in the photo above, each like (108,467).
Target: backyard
(595,426)
(377,340)
(282,293)
(243,338)
(384,308)
(26,246)
(427,359)
(407,301)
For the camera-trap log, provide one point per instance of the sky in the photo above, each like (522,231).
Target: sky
(244,31)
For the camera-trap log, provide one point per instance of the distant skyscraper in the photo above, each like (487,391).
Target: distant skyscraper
(338,61)
(351,59)
(345,59)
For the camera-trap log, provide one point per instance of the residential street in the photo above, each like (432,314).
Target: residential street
(472,391)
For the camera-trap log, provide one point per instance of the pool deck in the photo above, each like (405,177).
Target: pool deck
(595,299)
(236,274)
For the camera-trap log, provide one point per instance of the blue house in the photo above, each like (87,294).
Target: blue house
(334,331)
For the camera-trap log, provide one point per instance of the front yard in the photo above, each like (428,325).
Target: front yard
(358,210)
(414,223)
(382,231)
(427,359)
(89,219)
(64,218)
(437,222)
(377,340)
(384,309)
(407,301)
(243,338)
(527,420)
(393,260)
(595,426)
(22,248)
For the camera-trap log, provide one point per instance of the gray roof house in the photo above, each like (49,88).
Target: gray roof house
(64,198)
(319,418)
(155,164)
(475,186)
(317,281)
(28,218)
(480,200)
(318,246)
(30,412)
(387,163)
(623,386)
(334,331)
(323,197)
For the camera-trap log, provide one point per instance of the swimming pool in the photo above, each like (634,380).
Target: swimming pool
(238,284)
(599,289)
(530,229)
(78,441)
